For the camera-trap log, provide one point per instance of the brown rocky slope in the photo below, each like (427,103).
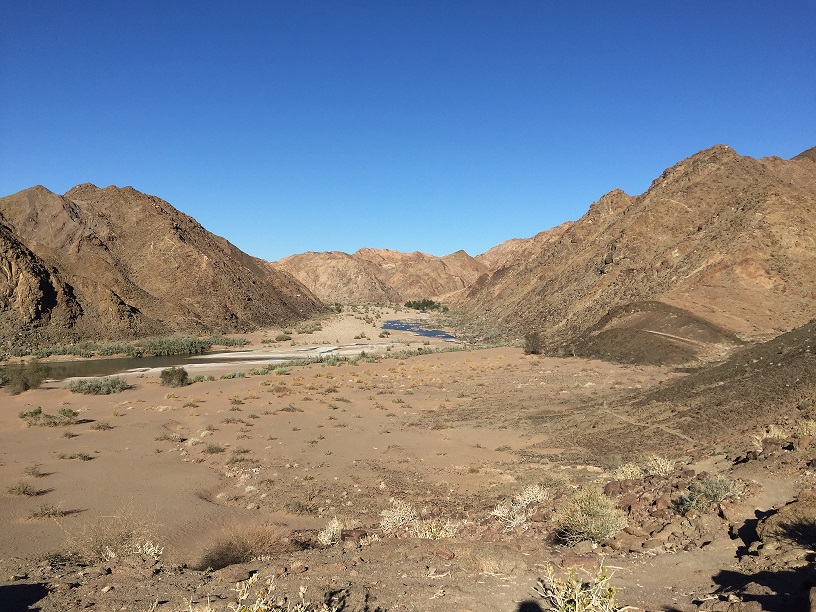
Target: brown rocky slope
(381,275)
(723,243)
(117,263)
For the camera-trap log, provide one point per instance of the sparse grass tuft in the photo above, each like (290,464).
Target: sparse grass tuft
(23,488)
(47,511)
(126,533)
(243,544)
(435,529)
(34,471)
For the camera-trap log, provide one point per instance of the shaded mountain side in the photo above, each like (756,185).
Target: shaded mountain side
(381,275)
(652,333)
(120,263)
(709,410)
(727,239)
(735,398)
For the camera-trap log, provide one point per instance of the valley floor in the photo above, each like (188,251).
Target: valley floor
(252,469)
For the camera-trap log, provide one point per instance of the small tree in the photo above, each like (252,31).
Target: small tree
(175,377)
(532,343)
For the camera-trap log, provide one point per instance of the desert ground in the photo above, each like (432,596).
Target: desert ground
(163,498)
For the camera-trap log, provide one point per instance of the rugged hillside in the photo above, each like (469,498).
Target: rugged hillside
(720,239)
(381,275)
(118,263)
(519,250)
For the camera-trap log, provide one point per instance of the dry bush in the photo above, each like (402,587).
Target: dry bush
(435,529)
(772,432)
(515,511)
(266,599)
(656,465)
(125,533)
(244,543)
(571,594)
(398,515)
(590,515)
(701,495)
(332,533)
(806,427)
(628,471)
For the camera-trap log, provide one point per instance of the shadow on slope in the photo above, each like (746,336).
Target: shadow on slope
(652,333)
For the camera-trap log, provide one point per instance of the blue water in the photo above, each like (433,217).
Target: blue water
(417,328)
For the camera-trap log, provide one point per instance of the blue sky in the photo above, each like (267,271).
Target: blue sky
(292,126)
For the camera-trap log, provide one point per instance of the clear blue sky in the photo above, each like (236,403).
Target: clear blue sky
(292,126)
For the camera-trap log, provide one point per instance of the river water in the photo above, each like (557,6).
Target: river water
(60,370)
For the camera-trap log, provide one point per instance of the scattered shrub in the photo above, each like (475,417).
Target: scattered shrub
(283,338)
(99,386)
(174,377)
(66,416)
(590,515)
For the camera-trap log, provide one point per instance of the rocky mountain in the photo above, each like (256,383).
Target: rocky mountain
(720,249)
(112,263)
(381,275)
(518,250)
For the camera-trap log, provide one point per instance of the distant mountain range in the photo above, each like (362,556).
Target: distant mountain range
(719,251)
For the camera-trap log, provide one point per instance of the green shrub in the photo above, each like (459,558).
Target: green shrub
(282,338)
(590,515)
(532,343)
(701,495)
(66,416)
(426,304)
(99,386)
(177,345)
(174,377)
(27,376)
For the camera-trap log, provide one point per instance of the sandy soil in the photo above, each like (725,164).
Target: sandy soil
(277,456)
